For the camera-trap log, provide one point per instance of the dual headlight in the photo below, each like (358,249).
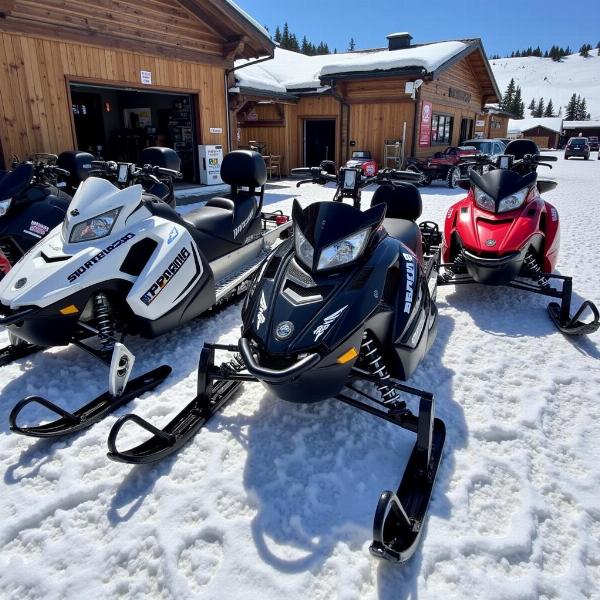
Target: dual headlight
(512,202)
(95,228)
(4,206)
(339,253)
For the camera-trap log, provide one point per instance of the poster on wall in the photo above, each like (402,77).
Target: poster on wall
(425,129)
(137,117)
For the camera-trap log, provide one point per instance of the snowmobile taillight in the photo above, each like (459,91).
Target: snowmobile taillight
(347,356)
(281,219)
(69,310)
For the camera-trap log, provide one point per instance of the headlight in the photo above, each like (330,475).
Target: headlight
(343,251)
(484,201)
(95,228)
(304,251)
(513,201)
(4,206)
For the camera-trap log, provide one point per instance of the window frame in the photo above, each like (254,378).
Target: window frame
(436,129)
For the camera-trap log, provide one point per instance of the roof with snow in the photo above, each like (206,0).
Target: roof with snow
(581,124)
(291,72)
(520,125)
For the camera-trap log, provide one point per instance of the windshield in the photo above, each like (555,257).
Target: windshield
(15,181)
(483,147)
(578,142)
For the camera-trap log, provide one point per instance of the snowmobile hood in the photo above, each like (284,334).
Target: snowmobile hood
(93,198)
(501,183)
(14,182)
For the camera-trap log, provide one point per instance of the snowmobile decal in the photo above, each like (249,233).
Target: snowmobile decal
(161,283)
(174,233)
(260,317)
(410,281)
(90,263)
(237,230)
(327,322)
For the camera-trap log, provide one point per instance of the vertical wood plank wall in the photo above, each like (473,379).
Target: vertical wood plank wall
(35,110)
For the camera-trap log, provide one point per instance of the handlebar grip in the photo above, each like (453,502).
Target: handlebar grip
(305,181)
(169,172)
(301,171)
(60,171)
(540,157)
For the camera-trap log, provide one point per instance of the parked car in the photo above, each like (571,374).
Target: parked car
(593,141)
(442,165)
(577,146)
(364,160)
(491,147)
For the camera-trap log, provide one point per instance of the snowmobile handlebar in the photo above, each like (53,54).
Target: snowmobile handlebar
(273,375)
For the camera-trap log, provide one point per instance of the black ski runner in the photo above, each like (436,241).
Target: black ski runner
(215,387)
(89,414)
(10,353)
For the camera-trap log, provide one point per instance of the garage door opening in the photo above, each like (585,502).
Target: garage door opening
(319,141)
(118,123)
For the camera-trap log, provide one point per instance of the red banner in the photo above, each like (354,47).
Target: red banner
(425,131)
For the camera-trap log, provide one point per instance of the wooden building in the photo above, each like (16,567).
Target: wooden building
(544,131)
(118,76)
(424,97)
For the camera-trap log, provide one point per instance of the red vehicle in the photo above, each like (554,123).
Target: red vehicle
(443,165)
(505,233)
(364,160)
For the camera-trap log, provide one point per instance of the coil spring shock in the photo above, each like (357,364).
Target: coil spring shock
(104,322)
(371,356)
(535,270)
(455,267)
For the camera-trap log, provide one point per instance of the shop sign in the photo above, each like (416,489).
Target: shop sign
(459,94)
(479,123)
(425,130)
(216,130)
(146,77)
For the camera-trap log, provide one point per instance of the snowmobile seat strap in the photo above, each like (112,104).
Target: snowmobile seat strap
(273,375)
(19,406)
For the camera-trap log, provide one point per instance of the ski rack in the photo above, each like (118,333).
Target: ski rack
(399,516)
(560,313)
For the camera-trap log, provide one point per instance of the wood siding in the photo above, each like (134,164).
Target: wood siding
(35,104)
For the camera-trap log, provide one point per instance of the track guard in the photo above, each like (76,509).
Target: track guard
(399,517)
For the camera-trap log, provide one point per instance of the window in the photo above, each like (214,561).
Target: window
(441,129)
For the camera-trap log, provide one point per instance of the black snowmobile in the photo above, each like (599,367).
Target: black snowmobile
(348,301)
(34,197)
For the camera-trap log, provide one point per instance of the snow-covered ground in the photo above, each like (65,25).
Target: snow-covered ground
(542,77)
(275,500)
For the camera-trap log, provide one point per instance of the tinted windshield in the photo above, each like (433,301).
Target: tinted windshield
(15,181)
(578,142)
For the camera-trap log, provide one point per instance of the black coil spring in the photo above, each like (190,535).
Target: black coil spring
(371,357)
(104,322)
(535,270)
(455,268)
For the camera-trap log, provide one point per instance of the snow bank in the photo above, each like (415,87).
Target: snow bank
(542,77)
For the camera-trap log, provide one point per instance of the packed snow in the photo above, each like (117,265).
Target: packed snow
(289,71)
(542,77)
(275,500)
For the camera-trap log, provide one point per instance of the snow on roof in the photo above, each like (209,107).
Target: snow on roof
(246,16)
(581,124)
(290,71)
(519,125)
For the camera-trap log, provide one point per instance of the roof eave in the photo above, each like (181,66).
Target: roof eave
(268,94)
(379,74)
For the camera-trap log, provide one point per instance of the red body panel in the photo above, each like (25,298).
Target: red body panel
(489,234)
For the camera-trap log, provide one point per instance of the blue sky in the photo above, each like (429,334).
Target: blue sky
(503,25)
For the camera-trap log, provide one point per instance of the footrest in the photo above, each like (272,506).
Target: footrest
(574,326)
(89,414)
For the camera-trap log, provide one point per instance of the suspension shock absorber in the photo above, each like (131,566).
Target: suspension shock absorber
(372,358)
(535,270)
(104,322)
(455,268)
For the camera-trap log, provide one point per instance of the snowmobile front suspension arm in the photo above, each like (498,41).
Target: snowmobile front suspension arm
(399,516)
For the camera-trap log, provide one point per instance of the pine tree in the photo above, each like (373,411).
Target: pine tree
(531,106)
(294,45)
(559,111)
(285,37)
(351,45)
(508,97)
(539,109)
(277,36)
(517,108)
(335,50)
(549,112)
(571,109)
(546,54)
(585,50)
(582,113)
(598,48)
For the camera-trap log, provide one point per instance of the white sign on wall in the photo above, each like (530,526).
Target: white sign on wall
(479,123)
(216,130)
(146,77)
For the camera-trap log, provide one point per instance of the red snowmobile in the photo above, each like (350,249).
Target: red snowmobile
(505,233)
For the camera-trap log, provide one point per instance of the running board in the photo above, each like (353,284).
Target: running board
(231,282)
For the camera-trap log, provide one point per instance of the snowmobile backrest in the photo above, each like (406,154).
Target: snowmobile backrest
(403,201)
(159,156)
(78,163)
(244,168)
(519,148)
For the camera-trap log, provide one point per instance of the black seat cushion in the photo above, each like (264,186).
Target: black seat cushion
(403,201)
(221,203)
(407,232)
(212,218)
(519,148)
(244,168)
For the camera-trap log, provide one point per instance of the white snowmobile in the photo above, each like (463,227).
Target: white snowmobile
(124,262)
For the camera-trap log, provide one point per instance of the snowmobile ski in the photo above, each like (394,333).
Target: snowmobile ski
(11,353)
(211,397)
(572,325)
(89,414)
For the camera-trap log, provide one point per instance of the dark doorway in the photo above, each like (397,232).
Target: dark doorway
(466,130)
(319,141)
(118,123)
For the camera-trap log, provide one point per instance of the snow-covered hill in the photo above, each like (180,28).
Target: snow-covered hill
(542,77)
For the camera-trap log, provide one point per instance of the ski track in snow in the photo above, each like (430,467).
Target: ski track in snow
(275,500)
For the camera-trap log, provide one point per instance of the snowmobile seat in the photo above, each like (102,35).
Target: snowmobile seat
(404,207)
(519,148)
